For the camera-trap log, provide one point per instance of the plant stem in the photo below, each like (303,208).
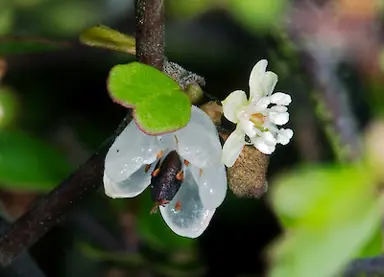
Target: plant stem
(150,32)
(50,209)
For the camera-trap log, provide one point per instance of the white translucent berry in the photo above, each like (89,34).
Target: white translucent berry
(132,158)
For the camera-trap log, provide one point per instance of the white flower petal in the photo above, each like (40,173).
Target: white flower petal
(263,146)
(131,150)
(284,136)
(198,146)
(279,118)
(269,138)
(212,183)
(280,98)
(279,109)
(199,117)
(258,105)
(130,187)
(256,77)
(192,218)
(269,82)
(233,101)
(248,127)
(233,147)
(263,102)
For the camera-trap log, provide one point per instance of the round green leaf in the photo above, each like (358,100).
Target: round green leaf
(28,163)
(160,105)
(163,113)
(129,84)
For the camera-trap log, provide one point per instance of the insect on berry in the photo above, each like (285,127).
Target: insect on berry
(166,180)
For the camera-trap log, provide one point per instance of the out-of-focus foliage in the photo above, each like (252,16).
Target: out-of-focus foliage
(189,8)
(258,15)
(9,106)
(22,45)
(150,92)
(56,17)
(330,214)
(253,15)
(28,163)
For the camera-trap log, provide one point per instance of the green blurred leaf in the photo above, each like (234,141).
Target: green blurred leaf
(28,163)
(257,15)
(13,45)
(155,232)
(315,195)
(6,19)
(331,213)
(9,106)
(188,8)
(373,247)
(160,105)
(105,37)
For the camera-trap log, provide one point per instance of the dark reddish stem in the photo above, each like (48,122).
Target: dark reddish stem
(150,32)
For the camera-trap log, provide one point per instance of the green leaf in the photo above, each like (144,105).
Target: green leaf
(373,247)
(105,37)
(132,83)
(9,106)
(257,15)
(188,8)
(322,252)
(331,213)
(155,232)
(160,105)
(29,164)
(315,195)
(13,45)
(161,115)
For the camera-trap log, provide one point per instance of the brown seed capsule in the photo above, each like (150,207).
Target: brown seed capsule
(247,177)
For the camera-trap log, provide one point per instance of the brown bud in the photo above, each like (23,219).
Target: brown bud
(247,177)
(214,111)
(195,93)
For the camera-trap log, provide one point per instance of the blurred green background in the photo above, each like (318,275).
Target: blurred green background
(55,111)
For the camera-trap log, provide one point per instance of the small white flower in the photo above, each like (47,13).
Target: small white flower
(132,159)
(257,117)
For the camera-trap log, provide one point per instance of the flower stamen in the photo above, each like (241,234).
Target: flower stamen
(258,119)
(160,154)
(178,205)
(180,175)
(156,172)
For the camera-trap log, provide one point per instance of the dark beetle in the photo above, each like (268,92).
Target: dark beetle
(166,180)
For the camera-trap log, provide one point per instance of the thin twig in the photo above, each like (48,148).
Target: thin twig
(50,209)
(150,32)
